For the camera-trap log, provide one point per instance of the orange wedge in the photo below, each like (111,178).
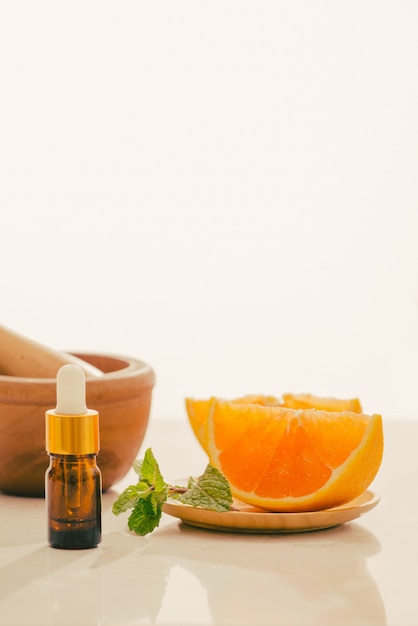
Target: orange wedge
(198,410)
(284,459)
(308,401)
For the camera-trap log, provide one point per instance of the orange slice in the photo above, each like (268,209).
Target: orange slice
(198,410)
(308,401)
(293,460)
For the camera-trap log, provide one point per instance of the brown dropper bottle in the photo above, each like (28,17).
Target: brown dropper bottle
(73,480)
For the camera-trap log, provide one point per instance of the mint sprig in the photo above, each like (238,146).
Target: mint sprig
(147,497)
(209,491)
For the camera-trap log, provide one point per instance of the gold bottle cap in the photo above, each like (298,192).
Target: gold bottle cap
(71,428)
(72,434)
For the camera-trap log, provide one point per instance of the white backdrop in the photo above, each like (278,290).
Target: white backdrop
(227,190)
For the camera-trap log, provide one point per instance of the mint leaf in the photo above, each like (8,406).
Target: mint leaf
(145,517)
(149,470)
(147,497)
(137,467)
(157,499)
(128,499)
(209,491)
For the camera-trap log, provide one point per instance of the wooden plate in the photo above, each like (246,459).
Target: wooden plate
(249,519)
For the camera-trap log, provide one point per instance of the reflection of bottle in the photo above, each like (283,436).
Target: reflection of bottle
(73,480)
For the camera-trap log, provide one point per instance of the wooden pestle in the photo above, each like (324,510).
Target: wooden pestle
(24,357)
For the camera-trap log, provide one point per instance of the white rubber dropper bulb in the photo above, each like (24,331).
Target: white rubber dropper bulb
(71,391)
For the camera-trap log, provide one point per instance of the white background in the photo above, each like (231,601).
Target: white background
(227,190)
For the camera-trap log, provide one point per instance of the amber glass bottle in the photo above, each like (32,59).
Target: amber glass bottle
(74,501)
(73,480)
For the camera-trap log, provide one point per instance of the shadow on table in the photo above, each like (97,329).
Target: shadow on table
(236,579)
(316,577)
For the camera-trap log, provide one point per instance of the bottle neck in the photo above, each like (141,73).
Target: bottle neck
(72,458)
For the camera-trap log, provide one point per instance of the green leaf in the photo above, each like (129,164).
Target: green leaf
(130,496)
(150,471)
(137,467)
(157,499)
(147,497)
(145,517)
(210,491)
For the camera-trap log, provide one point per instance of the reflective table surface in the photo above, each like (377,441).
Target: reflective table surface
(362,572)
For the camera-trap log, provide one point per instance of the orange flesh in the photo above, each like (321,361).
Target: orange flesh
(286,452)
